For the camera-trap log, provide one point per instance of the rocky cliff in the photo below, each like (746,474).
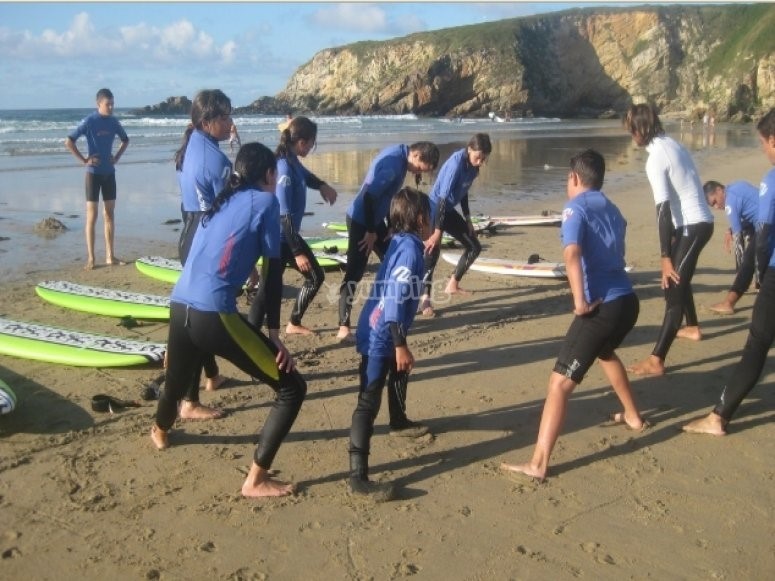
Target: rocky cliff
(591,62)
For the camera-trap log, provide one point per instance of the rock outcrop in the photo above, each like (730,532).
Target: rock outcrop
(591,62)
(172,106)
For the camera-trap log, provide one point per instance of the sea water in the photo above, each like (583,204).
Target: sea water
(525,173)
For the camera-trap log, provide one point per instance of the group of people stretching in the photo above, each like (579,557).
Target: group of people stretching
(234,216)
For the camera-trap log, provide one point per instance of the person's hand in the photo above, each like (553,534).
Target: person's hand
(728,241)
(404,359)
(328,194)
(585,308)
(303,263)
(432,242)
(283,359)
(366,244)
(93,160)
(668,273)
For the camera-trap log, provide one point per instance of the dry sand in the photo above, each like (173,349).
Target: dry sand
(84,495)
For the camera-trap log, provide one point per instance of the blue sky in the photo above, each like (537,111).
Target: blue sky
(58,54)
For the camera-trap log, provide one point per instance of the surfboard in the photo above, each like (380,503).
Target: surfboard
(336,245)
(543,219)
(169,269)
(103,301)
(335,226)
(67,347)
(511,267)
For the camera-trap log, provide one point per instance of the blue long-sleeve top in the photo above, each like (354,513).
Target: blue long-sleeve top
(384,179)
(452,185)
(293,179)
(205,172)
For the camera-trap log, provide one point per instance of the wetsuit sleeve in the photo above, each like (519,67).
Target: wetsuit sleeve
(271,272)
(312,181)
(441,209)
(397,333)
(464,207)
(291,236)
(733,217)
(763,252)
(665,228)
(368,211)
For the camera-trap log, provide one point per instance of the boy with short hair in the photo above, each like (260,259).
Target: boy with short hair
(606,308)
(100,129)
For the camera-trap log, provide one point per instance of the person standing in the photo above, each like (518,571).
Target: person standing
(203,170)
(366,226)
(293,179)
(450,189)
(740,202)
(761,333)
(606,308)
(684,223)
(242,224)
(383,326)
(100,130)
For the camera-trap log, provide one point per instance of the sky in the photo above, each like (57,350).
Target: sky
(58,54)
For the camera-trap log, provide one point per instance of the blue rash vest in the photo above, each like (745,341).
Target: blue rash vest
(292,182)
(453,182)
(100,132)
(384,179)
(394,297)
(741,205)
(594,223)
(225,250)
(205,172)
(766,213)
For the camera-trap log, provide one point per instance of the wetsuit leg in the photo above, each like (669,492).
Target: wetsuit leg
(313,280)
(373,374)
(456,226)
(761,335)
(679,298)
(257,313)
(231,336)
(190,226)
(356,266)
(398,383)
(431,260)
(745,261)
(184,366)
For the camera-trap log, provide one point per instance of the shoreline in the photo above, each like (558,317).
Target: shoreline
(87,491)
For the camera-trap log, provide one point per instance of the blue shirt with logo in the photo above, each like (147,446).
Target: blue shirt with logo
(394,297)
(225,250)
(593,222)
(767,210)
(100,132)
(741,205)
(292,189)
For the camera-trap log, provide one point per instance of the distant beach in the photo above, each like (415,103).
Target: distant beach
(40,179)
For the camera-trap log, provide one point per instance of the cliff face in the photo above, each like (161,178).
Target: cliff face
(578,63)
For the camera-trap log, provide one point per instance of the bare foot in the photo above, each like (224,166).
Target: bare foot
(259,484)
(115,262)
(190,410)
(650,366)
(712,424)
(159,438)
(213,383)
(292,329)
(722,309)
(344,335)
(636,425)
(525,469)
(89,265)
(691,333)
(454,289)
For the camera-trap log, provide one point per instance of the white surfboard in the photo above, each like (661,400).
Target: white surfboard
(543,219)
(511,267)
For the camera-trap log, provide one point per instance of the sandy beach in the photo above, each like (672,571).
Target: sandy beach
(84,495)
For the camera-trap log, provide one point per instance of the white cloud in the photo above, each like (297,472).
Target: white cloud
(139,42)
(364,18)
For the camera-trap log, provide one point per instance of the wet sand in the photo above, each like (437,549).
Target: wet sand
(84,495)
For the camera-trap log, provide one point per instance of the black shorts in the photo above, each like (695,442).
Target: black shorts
(596,335)
(100,182)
